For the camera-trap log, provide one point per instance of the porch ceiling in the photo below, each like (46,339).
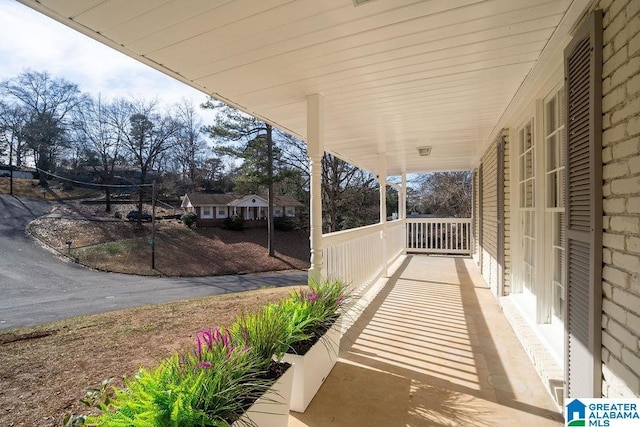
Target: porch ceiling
(395,74)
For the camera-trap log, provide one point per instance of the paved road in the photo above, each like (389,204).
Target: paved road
(37,287)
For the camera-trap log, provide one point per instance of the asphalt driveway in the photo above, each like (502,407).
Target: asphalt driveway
(37,287)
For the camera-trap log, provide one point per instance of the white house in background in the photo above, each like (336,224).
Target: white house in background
(213,209)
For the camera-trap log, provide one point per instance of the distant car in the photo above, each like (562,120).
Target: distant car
(133,215)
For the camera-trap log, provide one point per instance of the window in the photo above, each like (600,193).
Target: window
(527,166)
(527,214)
(554,140)
(290,212)
(207,212)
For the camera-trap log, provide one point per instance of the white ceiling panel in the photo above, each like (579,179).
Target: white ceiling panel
(395,74)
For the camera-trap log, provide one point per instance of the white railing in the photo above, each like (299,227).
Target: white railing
(361,255)
(355,256)
(395,239)
(439,235)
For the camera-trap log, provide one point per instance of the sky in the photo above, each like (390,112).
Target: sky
(30,40)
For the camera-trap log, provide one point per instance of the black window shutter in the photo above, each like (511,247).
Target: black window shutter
(583,200)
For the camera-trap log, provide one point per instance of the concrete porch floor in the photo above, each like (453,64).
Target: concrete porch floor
(432,349)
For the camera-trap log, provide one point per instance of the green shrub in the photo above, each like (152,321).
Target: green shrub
(235,223)
(189,219)
(284,223)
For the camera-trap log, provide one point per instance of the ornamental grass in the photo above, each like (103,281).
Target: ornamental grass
(214,383)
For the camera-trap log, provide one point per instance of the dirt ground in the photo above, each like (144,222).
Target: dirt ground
(100,241)
(45,370)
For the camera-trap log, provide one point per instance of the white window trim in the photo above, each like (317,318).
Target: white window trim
(204,214)
(543,298)
(547,310)
(518,270)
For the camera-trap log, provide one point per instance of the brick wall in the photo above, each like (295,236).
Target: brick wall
(476,216)
(507,215)
(489,236)
(621,204)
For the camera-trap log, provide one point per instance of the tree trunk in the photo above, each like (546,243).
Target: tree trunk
(141,188)
(42,165)
(270,227)
(11,167)
(107,197)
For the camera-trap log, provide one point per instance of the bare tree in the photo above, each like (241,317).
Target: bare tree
(147,134)
(446,194)
(49,104)
(190,147)
(12,122)
(101,140)
(348,195)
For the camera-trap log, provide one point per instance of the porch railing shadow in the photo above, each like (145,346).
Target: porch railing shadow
(426,353)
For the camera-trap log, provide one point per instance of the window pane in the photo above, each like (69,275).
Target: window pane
(552,190)
(551,116)
(528,140)
(552,153)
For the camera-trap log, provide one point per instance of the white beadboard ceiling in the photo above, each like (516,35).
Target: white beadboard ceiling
(395,74)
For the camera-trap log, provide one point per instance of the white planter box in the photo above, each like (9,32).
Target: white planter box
(310,370)
(272,409)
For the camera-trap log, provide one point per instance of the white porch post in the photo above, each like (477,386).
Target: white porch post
(315,150)
(402,199)
(382,180)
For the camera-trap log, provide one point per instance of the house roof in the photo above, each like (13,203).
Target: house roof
(286,201)
(394,75)
(249,201)
(208,199)
(205,199)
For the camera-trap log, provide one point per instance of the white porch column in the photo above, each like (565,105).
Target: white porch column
(315,151)
(402,199)
(382,180)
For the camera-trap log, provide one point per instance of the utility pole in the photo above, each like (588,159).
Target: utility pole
(11,168)
(154,196)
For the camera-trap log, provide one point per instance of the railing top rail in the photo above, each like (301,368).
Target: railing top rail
(395,223)
(440,220)
(337,237)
